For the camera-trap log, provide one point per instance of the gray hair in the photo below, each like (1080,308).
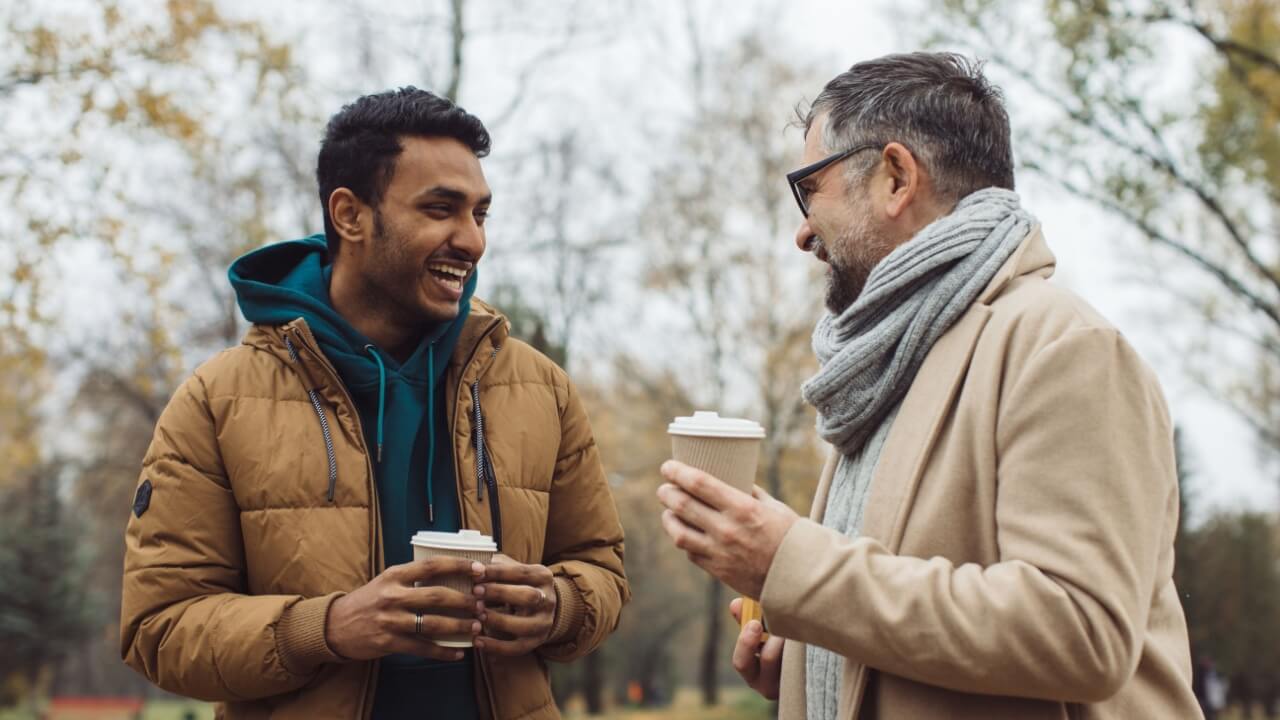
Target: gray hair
(939,105)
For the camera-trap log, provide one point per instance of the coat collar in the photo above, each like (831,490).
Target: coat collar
(484,321)
(1032,257)
(936,382)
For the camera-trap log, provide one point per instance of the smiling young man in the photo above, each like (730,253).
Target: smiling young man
(268,563)
(992,538)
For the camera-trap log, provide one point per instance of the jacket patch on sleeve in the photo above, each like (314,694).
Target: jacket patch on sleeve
(142,500)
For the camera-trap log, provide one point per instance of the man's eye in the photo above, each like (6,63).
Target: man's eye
(481,216)
(437,209)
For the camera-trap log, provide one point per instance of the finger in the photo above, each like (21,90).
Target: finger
(770,654)
(686,538)
(436,597)
(735,609)
(744,653)
(506,648)
(768,500)
(434,626)
(517,596)
(771,667)
(517,626)
(518,574)
(692,511)
(710,490)
(424,570)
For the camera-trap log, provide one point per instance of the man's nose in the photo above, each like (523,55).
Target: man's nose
(470,239)
(804,235)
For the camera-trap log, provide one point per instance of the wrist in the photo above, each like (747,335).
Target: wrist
(334,622)
(569,613)
(302,635)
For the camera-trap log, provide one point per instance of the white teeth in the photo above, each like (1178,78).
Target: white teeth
(448,270)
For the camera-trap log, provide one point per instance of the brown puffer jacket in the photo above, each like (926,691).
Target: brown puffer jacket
(246,536)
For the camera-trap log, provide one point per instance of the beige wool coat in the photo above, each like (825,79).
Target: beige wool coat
(1016,560)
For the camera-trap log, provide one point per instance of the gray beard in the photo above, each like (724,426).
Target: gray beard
(843,287)
(847,277)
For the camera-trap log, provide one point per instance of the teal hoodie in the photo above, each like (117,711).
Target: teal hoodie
(402,412)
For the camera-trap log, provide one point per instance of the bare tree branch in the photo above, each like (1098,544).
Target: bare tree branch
(1159,237)
(1085,119)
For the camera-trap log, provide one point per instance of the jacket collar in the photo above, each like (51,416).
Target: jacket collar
(480,323)
(1032,257)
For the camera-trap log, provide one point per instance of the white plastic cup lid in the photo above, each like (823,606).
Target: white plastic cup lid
(705,423)
(461,540)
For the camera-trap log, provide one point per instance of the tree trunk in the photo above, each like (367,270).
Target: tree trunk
(773,470)
(455,61)
(593,682)
(709,671)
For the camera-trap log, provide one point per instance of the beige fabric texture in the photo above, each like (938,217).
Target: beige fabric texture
(1016,556)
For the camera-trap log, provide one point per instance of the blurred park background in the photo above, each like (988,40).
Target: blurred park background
(641,236)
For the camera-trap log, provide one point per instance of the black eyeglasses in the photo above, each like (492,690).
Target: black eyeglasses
(795,177)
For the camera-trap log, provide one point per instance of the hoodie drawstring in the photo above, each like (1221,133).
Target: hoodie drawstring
(382,393)
(431,419)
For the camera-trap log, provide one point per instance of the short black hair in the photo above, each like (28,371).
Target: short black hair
(362,141)
(940,105)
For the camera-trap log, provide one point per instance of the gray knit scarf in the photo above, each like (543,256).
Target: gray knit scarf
(870,353)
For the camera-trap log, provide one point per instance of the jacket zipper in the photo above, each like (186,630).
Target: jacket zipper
(454,417)
(481,480)
(484,465)
(324,425)
(375,518)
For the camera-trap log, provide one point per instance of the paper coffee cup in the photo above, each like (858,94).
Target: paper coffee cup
(727,448)
(464,544)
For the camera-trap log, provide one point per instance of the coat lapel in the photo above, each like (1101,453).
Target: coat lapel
(920,420)
(927,404)
(916,428)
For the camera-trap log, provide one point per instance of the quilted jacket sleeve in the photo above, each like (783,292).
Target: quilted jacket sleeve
(584,541)
(186,623)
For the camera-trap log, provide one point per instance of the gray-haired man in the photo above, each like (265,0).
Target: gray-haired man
(993,535)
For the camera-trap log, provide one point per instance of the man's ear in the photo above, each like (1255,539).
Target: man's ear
(905,175)
(351,217)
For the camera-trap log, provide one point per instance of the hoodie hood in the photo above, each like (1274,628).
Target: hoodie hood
(279,283)
(398,403)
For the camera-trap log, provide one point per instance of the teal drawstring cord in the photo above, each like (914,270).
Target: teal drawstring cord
(382,393)
(431,431)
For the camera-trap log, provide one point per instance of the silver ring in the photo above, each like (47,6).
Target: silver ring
(417,623)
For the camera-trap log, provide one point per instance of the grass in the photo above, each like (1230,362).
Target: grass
(735,704)
(154,710)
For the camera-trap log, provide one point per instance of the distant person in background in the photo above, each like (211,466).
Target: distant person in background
(268,564)
(1213,698)
(992,538)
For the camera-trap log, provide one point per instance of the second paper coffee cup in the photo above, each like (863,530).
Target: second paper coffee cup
(727,448)
(464,544)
